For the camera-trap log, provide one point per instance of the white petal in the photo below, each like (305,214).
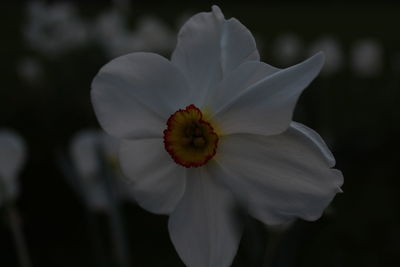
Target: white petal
(134,95)
(237,45)
(243,77)
(209,47)
(266,107)
(84,148)
(204,228)
(158,183)
(279,177)
(12,154)
(314,140)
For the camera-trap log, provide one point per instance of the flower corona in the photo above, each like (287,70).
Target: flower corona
(189,138)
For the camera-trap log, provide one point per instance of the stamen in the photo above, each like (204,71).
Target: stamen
(198,132)
(199,142)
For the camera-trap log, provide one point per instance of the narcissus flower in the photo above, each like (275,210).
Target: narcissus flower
(84,149)
(150,34)
(367,58)
(333,52)
(210,131)
(287,49)
(53,29)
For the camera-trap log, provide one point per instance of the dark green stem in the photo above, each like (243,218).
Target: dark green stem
(16,229)
(120,243)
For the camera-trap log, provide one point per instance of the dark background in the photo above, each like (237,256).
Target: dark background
(357,116)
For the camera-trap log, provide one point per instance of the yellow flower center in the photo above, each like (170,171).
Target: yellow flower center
(189,139)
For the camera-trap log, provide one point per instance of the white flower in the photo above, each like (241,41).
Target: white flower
(367,58)
(287,49)
(30,70)
(112,32)
(234,145)
(154,35)
(12,158)
(332,51)
(53,29)
(85,148)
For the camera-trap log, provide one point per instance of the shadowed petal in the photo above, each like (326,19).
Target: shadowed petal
(204,228)
(243,77)
(282,176)
(209,47)
(269,102)
(315,140)
(157,183)
(134,95)
(237,45)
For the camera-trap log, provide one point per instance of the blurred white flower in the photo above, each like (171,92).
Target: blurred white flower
(85,148)
(154,36)
(30,70)
(287,49)
(211,131)
(333,53)
(53,29)
(367,58)
(112,32)
(12,159)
